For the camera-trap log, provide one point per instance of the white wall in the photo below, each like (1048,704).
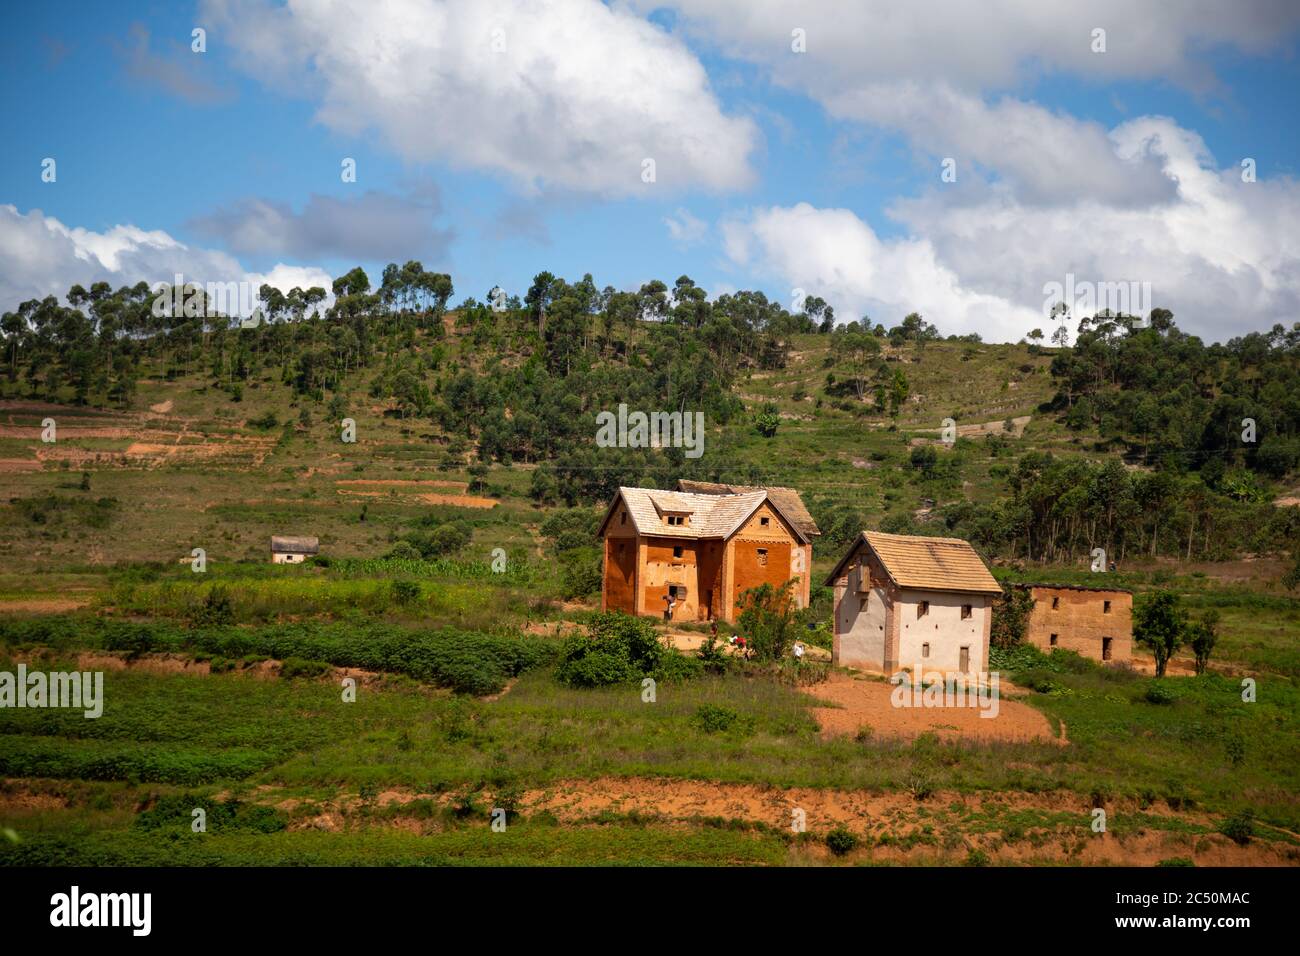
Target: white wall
(944,630)
(861,631)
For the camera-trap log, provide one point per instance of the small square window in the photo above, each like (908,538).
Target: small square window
(762,556)
(925,650)
(764,521)
(965,611)
(677,552)
(923,609)
(1051,641)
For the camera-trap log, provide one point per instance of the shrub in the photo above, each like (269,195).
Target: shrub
(712,656)
(841,840)
(617,648)
(1240,827)
(215,610)
(1158,693)
(713,719)
(294,667)
(405,592)
(581,573)
(767,619)
(404,551)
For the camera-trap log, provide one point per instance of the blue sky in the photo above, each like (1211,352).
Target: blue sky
(815,170)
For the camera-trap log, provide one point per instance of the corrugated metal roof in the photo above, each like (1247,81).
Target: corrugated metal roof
(294,544)
(927,564)
(786,499)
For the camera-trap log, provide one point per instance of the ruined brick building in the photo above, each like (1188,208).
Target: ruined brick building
(1095,622)
(690,554)
(923,605)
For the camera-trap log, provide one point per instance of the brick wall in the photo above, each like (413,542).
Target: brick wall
(1080,621)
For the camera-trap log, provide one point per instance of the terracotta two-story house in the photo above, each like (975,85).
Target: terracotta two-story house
(690,555)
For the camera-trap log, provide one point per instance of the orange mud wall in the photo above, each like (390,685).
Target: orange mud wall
(786,558)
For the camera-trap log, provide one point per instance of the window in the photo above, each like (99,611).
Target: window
(965,611)
(923,609)
(675,520)
(622,517)
(1051,641)
(1106,643)
(1105,609)
(762,556)
(963,664)
(862,604)
(925,650)
(764,521)
(677,552)
(1056,603)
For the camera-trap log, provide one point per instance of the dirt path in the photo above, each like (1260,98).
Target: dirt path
(861,702)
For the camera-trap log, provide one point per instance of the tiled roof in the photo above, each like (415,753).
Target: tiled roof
(786,499)
(294,544)
(711,515)
(928,564)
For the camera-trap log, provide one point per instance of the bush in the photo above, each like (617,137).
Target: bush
(1158,693)
(404,551)
(713,719)
(1239,828)
(581,573)
(405,592)
(215,610)
(617,648)
(767,620)
(294,667)
(841,840)
(713,658)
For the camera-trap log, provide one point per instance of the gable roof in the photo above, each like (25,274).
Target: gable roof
(711,515)
(787,499)
(926,564)
(294,544)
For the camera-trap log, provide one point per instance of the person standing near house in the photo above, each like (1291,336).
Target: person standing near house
(671,600)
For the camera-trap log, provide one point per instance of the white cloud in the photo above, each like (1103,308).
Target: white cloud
(938,72)
(834,254)
(684,228)
(41,256)
(571,95)
(1223,255)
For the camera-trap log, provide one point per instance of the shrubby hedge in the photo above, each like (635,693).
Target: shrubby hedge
(466,661)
